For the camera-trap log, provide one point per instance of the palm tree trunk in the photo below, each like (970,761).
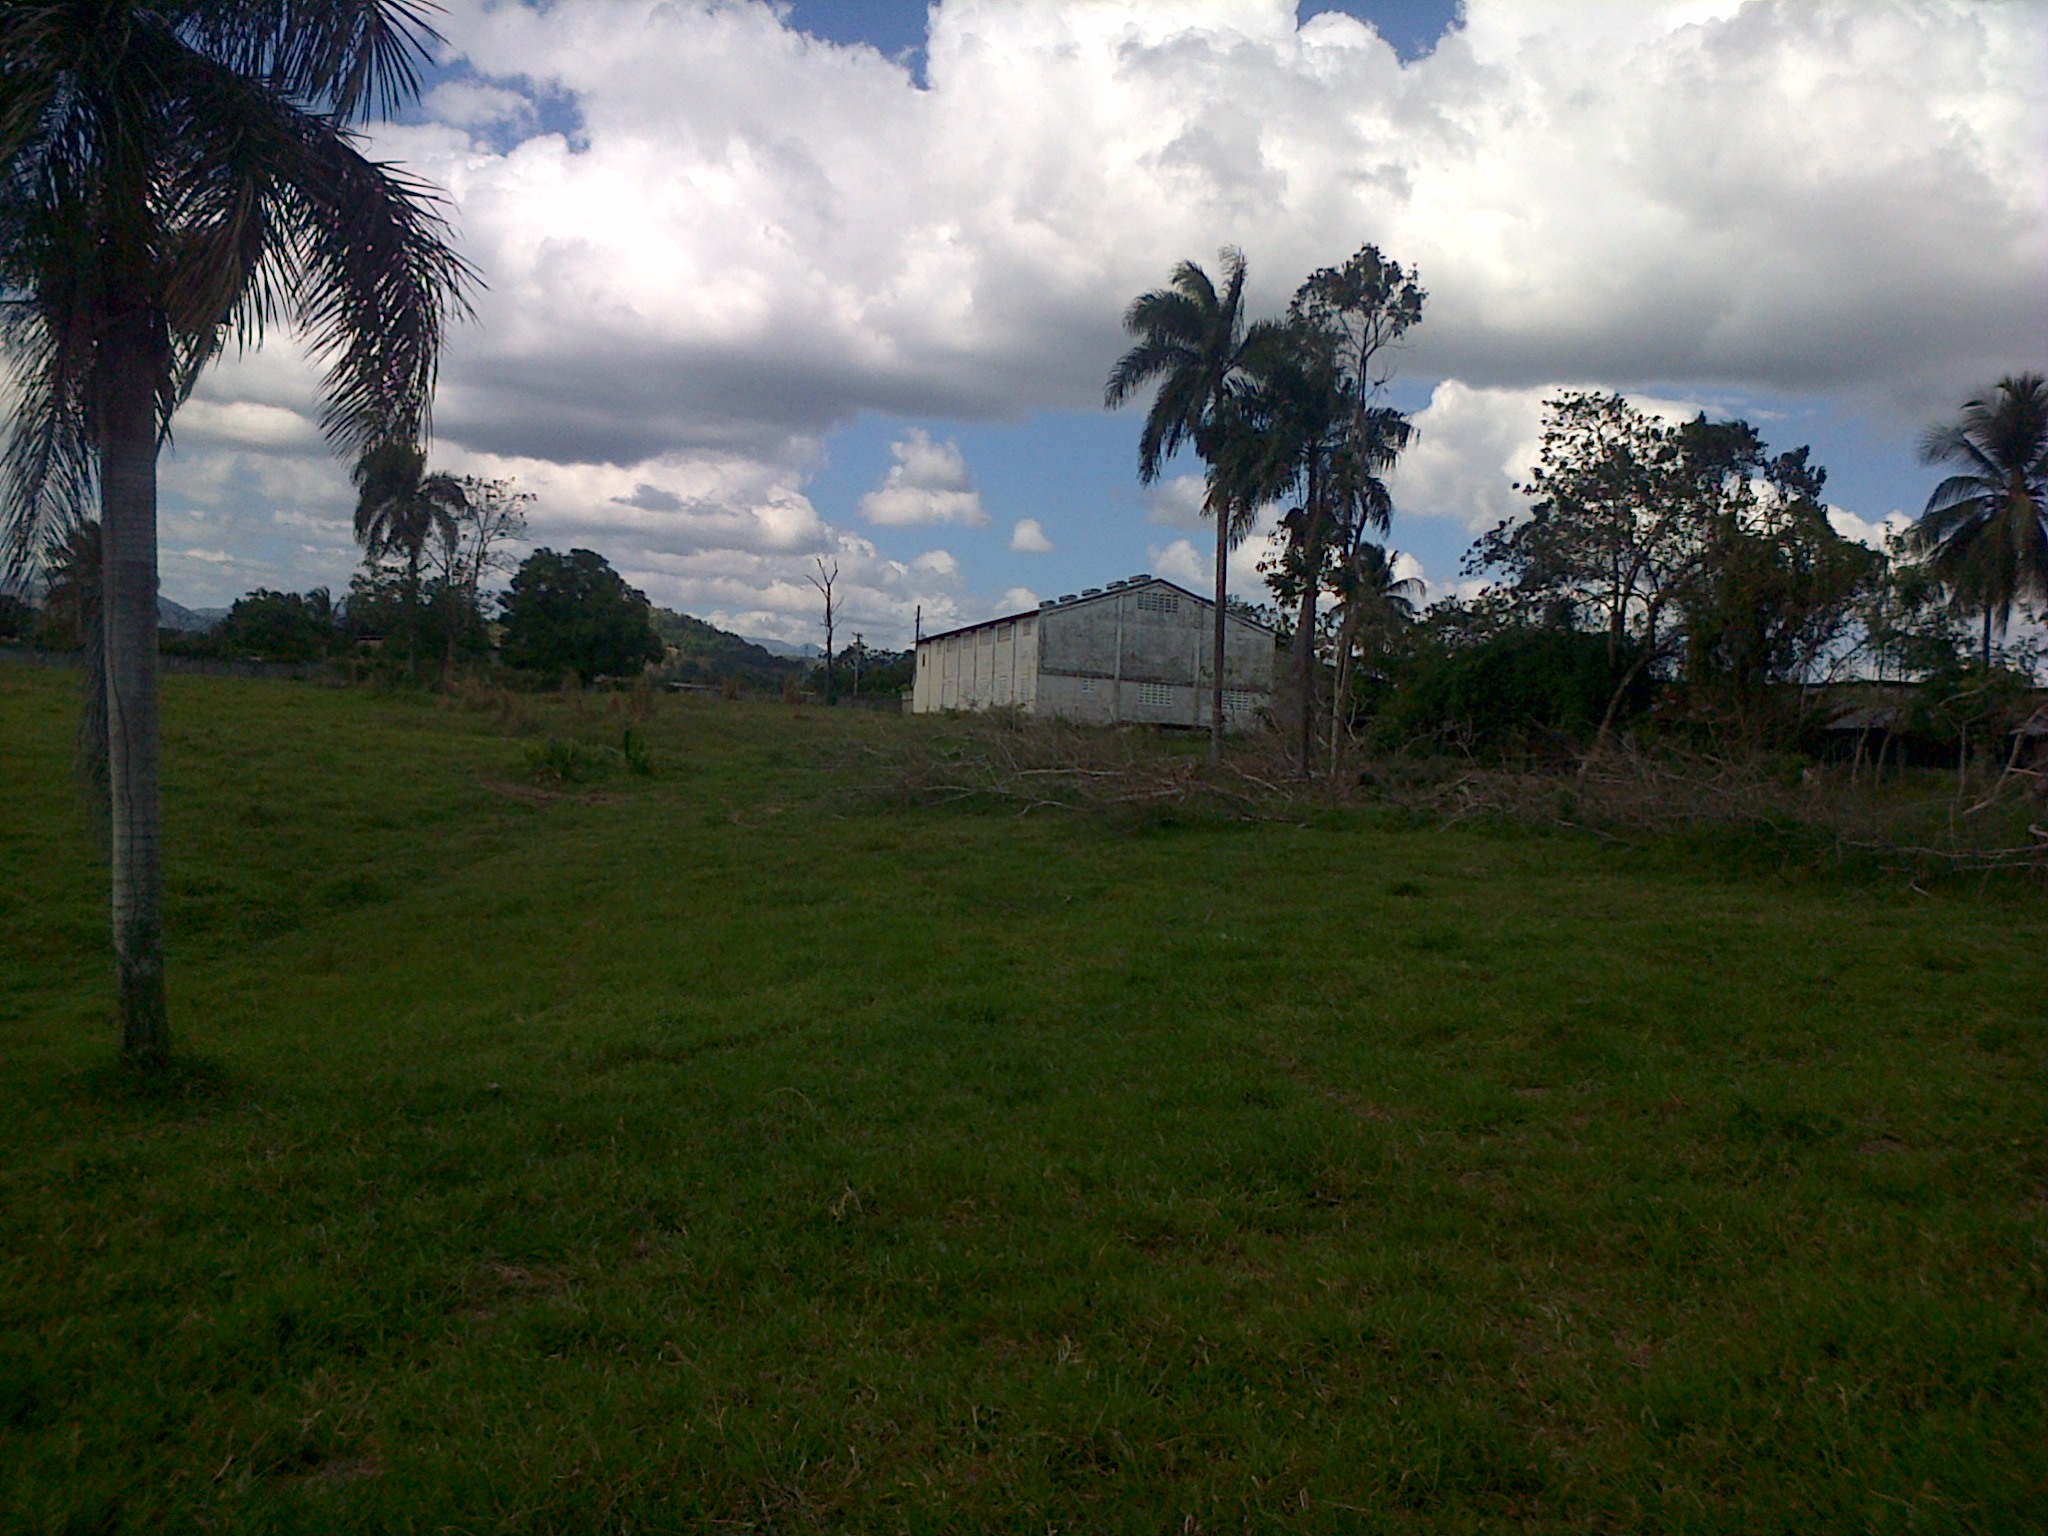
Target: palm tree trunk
(128,373)
(1340,692)
(1987,637)
(412,614)
(1222,592)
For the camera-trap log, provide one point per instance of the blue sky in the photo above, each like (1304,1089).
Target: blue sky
(770,284)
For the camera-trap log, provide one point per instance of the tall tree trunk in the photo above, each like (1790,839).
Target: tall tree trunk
(1222,593)
(1987,637)
(130,362)
(1305,647)
(1340,691)
(412,613)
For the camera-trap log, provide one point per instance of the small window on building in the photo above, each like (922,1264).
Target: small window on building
(1158,602)
(1155,695)
(1239,701)
(1087,685)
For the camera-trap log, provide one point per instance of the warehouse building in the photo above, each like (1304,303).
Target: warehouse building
(1137,651)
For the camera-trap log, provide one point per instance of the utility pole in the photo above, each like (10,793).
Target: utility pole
(858,651)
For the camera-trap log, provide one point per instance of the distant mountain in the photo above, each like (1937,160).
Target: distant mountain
(170,615)
(707,654)
(784,648)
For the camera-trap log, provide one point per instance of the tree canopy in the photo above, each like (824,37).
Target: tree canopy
(574,613)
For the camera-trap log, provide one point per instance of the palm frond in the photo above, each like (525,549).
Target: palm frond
(345,58)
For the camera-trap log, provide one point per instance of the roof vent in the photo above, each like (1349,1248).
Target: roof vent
(1066,597)
(1046,602)
(1141,576)
(1091,591)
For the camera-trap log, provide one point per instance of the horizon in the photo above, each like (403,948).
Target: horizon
(774,282)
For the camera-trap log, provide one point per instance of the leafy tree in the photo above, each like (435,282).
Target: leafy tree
(1777,591)
(17,617)
(280,626)
(1190,341)
(1681,540)
(1312,381)
(1982,532)
(1610,534)
(179,173)
(1907,622)
(574,613)
(400,510)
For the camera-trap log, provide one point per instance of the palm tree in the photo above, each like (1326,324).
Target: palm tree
(1319,442)
(1190,338)
(1982,532)
(400,509)
(179,174)
(1375,604)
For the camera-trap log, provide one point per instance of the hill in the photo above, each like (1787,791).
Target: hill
(708,654)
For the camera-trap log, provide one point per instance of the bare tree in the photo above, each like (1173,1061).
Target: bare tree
(823,582)
(471,546)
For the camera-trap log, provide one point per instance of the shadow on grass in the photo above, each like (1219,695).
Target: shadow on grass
(185,1080)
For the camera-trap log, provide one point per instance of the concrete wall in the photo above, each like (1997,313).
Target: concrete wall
(1144,654)
(978,668)
(1138,654)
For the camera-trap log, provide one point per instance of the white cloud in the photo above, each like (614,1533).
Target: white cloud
(1028,538)
(928,483)
(1019,599)
(1179,562)
(1176,501)
(1864,531)
(754,236)
(1194,566)
(765,233)
(1473,446)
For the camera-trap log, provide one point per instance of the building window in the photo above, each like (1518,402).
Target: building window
(1158,602)
(1239,701)
(1155,695)
(1087,685)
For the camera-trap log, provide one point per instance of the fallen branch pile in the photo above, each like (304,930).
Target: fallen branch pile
(1048,765)
(1916,825)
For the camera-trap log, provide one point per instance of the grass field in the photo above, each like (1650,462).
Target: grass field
(734,1148)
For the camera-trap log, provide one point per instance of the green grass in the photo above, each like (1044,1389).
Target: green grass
(730,1148)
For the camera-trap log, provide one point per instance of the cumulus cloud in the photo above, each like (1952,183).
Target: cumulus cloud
(1176,501)
(763,233)
(1195,567)
(752,236)
(1875,534)
(928,483)
(1028,538)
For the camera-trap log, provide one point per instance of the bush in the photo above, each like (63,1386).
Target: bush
(17,618)
(1495,693)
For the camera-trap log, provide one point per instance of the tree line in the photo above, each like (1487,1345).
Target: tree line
(1680,564)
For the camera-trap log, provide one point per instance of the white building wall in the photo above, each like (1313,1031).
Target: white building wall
(1140,654)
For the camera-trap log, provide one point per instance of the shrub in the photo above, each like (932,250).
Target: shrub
(1495,693)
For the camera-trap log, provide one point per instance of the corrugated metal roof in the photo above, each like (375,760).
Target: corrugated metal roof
(1093,595)
(1867,717)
